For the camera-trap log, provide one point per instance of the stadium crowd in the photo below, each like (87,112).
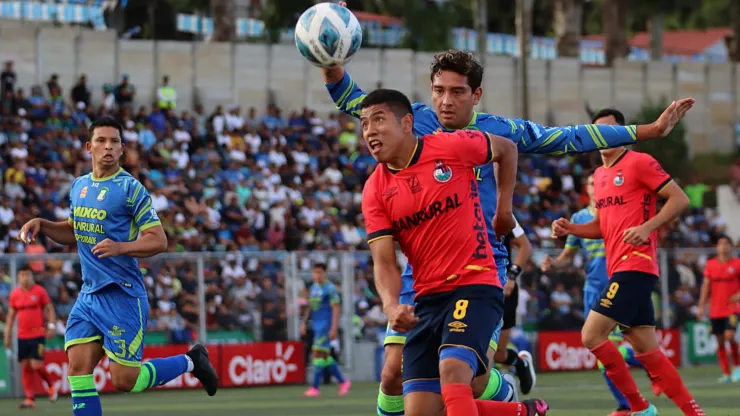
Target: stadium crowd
(236,181)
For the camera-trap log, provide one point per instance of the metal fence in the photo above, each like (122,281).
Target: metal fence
(209,276)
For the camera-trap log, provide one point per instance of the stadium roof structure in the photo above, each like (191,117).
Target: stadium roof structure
(680,42)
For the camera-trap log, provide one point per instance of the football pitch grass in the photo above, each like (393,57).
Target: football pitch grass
(570,394)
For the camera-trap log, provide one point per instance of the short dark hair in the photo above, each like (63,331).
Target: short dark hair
(725,237)
(459,62)
(25,268)
(104,122)
(320,265)
(618,116)
(395,100)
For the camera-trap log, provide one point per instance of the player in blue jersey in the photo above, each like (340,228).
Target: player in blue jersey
(112,222)
(324,311)
(596,275)
(456,79)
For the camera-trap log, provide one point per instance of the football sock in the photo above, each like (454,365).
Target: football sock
(85,399)
(490,408)
(319,366)
(618,396)
(619,374)
(459,400)
(735,353)
(389,405)
(512,358)
(160,371)
(667,378)
(27,377)
(497,389)
(724,360)
(333,368)
(44,375)
(629,356)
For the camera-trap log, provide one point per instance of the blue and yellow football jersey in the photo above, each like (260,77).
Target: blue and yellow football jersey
(322,299)
(117,208)
(529,137)
(596,275)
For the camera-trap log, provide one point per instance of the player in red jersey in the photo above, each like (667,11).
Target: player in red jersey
(424,195)
(29,302)
(626,188)
(722,286)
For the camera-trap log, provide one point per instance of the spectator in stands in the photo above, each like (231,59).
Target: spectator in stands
(80,93)
(166,94)
(8,77)
(124,92)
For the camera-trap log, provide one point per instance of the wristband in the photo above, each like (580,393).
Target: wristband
(514,272)
(51,326)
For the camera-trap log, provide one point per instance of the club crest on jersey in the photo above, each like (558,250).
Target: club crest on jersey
(619,179)
(101,194)
(83,192)
(442,172)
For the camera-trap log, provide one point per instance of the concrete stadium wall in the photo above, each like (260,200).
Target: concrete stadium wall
(255,74)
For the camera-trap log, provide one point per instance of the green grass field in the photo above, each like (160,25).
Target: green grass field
(570,394)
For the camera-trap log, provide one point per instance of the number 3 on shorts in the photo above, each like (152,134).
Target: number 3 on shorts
(613,288)
(461,309)
(122,345)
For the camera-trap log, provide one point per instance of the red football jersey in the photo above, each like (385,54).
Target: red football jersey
(724,280)
(29,306)
(626,193)
(432,208)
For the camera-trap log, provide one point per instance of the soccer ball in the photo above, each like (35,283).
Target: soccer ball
(328,35)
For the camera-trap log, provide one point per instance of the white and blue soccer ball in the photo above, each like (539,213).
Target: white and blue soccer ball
(328,35)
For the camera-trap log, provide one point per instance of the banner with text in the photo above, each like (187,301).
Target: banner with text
(260,363)
(563,350)
(702,344)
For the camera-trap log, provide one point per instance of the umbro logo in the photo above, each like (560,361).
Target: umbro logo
(457,326)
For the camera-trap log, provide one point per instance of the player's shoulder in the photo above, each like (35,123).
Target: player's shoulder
(632,157)
(127,182)
(372,182)
(81,180)
(483,119)
(421,108)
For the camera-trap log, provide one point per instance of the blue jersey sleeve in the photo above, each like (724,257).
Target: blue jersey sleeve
(140,207)
(333,295)
(534,138)
(572,241)
(347,95)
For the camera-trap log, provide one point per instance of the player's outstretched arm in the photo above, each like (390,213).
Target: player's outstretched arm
(9,322)
(62,232)
(343,91)
(531,137)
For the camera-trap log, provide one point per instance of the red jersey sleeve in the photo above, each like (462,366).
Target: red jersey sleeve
(651,173)
(43,296)
(470,147)
(377,222)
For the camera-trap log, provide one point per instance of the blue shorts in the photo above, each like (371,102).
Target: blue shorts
(627,299)
(321,341)
(462,319)
(590,299)
(113,316)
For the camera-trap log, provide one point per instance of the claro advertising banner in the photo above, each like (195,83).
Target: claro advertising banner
(564,351)
(237,365)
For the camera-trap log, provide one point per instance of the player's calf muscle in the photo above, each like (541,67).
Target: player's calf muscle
(391,377)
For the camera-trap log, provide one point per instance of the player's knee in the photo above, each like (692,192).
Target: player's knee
(454,370)
(35,364)
(592,336)
(124,380)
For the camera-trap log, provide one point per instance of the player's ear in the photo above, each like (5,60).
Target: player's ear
(407,123)
(477,94)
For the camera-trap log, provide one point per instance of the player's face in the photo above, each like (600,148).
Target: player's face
(25,278)
(318,275)
(590,187)
(105,147)
(724,247)
(383,131)
(453,99)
